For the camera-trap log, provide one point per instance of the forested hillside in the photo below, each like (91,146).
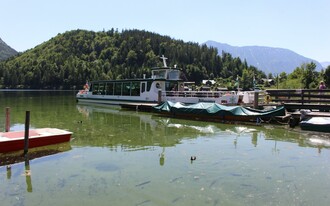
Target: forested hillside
(69,59)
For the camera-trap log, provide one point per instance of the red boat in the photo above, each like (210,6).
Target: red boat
(14,141)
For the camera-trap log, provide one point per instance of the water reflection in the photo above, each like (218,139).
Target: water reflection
(318,142)
(18,165)
(111,126)
(105,122)
(13,162)
(27,174)
(162,157)
(116,152)
(37,152)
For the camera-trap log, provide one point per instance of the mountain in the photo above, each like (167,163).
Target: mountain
(6,51)
(268,59)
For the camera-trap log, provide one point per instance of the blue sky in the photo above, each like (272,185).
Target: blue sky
(299,25)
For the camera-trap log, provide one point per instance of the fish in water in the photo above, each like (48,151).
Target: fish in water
(177,199)
(106,167)
(143,183)
(213,183)
(144,202)
(175,179)
(235,174)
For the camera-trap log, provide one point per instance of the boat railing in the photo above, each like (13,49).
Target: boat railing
(83,91)
(204,94)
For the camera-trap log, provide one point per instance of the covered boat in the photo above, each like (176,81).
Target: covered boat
(14,141)
(215,111)
(320,124)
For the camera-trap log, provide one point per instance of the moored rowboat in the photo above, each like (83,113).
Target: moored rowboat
(14,141)
(320,124)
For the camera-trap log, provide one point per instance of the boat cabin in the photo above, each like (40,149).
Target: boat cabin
(168,73)
(164,84)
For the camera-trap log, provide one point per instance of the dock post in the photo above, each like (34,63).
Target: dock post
(256,100)
(7,127)
(159,96)
(26,134)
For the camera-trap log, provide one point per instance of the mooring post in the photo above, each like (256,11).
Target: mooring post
(256,99)
(159,96)
(26,134)
(7,127)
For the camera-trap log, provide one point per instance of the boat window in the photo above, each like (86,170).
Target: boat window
(171,86)
(126,88)
(135,89)
(174,74)
(109,88)
(158,74)
(118,88)
(149,86)
(143,87)
(95,89)
(101,89)
(181,87)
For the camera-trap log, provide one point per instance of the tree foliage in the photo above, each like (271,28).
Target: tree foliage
(326,76)
(69,59)
(309,76)
(304,77)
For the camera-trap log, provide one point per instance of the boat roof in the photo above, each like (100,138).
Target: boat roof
(138,80)
(169,68)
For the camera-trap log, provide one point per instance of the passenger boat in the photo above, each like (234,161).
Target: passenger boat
(320,124)
(163,85)
(14,141)
(217,112)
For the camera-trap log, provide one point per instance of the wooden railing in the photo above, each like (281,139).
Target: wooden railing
(301,98)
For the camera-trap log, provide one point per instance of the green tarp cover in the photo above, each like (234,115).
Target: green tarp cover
(211,109)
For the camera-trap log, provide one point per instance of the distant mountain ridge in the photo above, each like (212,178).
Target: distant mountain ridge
(268,59)
(6,51)
(325,64)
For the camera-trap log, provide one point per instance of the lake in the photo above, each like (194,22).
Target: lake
(120,157)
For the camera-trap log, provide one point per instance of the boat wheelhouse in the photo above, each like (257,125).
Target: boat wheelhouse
(163,85)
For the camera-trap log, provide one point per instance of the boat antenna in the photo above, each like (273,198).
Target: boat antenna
(164,60)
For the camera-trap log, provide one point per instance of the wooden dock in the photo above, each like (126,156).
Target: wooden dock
(315,102)
(145,107)
(298,114)
(297,99)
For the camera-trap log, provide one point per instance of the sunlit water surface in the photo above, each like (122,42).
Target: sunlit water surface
(119,157)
